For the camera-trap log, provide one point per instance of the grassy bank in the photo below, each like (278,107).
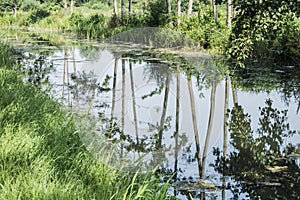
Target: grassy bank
(42,157)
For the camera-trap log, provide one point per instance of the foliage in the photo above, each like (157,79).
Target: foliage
(259,148)
(86,22)
(91,3)
(93,26)
(257,152)
(98,5)
(6,52)
(265,29)
(204,30)
(37,15)
(158,14)
(7,5)
(272,129)
(137,19)
(28,5)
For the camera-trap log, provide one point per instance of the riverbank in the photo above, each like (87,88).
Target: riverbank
(98,22)
(41,155)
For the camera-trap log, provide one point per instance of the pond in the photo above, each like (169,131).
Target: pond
(216,132)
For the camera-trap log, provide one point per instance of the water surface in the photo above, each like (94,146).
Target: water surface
(148,110)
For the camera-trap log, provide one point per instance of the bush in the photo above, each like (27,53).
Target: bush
(36,15)
(28,5)
(97,5)
(6,52)
(203,29)
(137,19)
(94,26)
(158,15)
(265,30)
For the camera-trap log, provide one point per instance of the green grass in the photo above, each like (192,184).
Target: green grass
(95,20)
(42,156)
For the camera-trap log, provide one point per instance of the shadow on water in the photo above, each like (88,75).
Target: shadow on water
(216,133)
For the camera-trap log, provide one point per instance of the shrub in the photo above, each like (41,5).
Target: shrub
(28,5)
(203,29)
(137,19)
(157,10)
(37,15)
(265,30)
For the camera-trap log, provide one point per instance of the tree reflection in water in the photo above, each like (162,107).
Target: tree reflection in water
(259,164)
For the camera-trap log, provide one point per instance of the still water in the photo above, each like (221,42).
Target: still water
(217,132)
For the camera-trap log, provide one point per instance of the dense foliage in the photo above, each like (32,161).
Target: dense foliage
(266,30)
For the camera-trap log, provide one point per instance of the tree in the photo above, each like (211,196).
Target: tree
(15,7)
(123,10)
(169,11)
(176,134)
(116,11)
(215,9)
(164,111)
(194,117)
(113,95)
(265,31)
(190,7)
(260,157)
(130,6)
(65,4)
(229,11)
(210,123)
(134,103)
(71,6)
(178,12)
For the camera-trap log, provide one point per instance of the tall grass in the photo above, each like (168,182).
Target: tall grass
(6,52)
(42,157)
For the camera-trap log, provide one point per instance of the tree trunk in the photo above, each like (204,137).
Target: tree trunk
(225,130)
(169,10)
(215,8)
(123,100)
(210,123)
(194,118)
(122,137)
(130,6)
(234,94)
(113,101)
(123,11)
(134,104)
(65,4)
(229,11)
(190,7)
(71,6)
(178,12)
(177,123)
(164,111)
(116,12)
(15,7)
